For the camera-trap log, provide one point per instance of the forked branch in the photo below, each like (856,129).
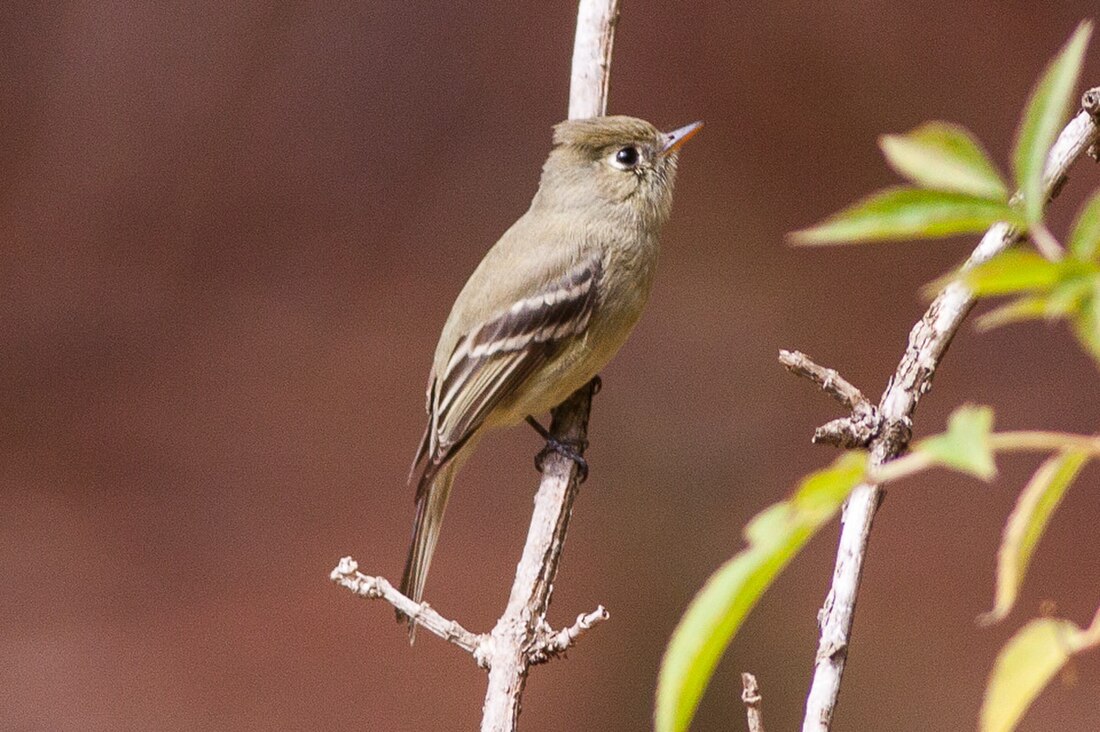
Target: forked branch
(522,637)
(928,342)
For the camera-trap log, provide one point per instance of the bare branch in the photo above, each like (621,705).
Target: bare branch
(591,75)
(856,430)
(522,637)
(517,631)
(849,433)
(548,644)
(556,643)
(347,575)
(750,695)
(928,342)
(829,380)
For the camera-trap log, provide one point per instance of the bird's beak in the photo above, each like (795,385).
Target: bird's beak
(676,138)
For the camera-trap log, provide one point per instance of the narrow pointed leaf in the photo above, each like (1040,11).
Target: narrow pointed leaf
(1084,243)
(1017,270)
(908,213)
(965,446)
(944,157)
(1026,524)
(1086,324)
(1072,294)
(1067,298)
(1046,111)
(1025,666)
(773,537)
(1023,308)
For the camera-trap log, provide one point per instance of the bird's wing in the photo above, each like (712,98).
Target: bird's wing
(492,359)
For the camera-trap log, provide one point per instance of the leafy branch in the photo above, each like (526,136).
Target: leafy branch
(953,188)
(1064,289)
(956,188)
(779,532)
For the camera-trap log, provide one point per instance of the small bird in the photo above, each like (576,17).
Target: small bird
(549,305)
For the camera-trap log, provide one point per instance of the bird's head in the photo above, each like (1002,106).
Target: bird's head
(623,165)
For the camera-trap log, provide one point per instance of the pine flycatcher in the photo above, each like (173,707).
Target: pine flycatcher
(550,303)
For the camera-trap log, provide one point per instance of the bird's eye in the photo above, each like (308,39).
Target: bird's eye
(625,158)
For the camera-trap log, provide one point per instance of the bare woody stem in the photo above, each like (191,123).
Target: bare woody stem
(831,382)
(750,696)
(856,430)
(524,618)
(347,575)
(928,342)
(521,637)
(590,77)
(548,644)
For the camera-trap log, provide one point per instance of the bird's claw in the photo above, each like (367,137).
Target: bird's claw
(570,449)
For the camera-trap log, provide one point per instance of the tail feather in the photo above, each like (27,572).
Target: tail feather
(432,493)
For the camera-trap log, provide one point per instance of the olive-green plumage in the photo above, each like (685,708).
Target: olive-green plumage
(550,303)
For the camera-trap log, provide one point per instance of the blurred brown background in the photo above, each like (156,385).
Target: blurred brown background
(230,234)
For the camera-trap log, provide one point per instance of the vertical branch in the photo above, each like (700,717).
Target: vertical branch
(591,74)
(521,637)
(928,342)
(519,628)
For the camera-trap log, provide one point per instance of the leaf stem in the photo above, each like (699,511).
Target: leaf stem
(1040,440)
(902,467)
(1091,635)
(1016,441)
(1045,242)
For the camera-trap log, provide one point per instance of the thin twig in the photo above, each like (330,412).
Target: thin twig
(928,342)
(556,643)
(855,430)
(347,575)
(590,78)
(829,380)
(750,695)
(548,644)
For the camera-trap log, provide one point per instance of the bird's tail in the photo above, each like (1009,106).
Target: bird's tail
(431,501)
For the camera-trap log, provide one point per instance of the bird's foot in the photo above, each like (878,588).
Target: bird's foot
(571,449)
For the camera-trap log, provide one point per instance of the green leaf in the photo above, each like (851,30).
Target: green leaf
(1067,298)
(774,537)
(906,213)
(1026,665)
(1017,270)
(1072,294)
(944,157)
(1045,112)
(1086,324)
(1084,242)
(1026,524)
(965,446)
(1022,270)
(1023,308)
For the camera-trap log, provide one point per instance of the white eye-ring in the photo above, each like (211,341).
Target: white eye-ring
(625,158)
